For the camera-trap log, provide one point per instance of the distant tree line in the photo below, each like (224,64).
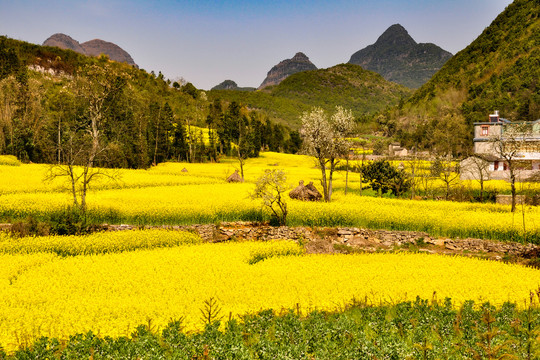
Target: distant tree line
(53,101)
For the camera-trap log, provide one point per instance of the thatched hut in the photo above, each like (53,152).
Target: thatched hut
(305,192)
(184,170)
(235,177)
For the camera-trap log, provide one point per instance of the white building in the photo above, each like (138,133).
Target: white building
(527,141)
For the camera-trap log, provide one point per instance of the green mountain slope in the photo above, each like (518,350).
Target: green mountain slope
(500,70)
(348,85)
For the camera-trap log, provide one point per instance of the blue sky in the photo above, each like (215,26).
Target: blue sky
(206,42)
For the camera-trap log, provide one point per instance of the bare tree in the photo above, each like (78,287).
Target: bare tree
(324,138)
(507,145)
(413,166)
(96,88)
(427,184)
(271,188)
(477,167)
(446,169)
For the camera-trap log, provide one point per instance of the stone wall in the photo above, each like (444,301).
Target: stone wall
(366,239)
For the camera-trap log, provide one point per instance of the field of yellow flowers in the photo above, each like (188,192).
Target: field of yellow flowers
(99,283)
(110,283)
(166,195)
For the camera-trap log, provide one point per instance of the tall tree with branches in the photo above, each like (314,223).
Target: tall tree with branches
(95,88)
(507,145)
(324,138)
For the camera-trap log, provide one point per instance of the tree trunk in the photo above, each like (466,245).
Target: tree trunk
(157,137)
(322,162)
(241,162)
(59,144)
(361,179)
(330,178)
(189,136)
(513,186)
(413,178)
(347,176)
(73,184)
(481,189)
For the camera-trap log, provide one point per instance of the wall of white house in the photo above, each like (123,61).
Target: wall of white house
(499,167)
(535,165)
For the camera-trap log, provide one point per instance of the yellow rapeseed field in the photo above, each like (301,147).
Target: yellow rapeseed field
(96,243)
(166,195)
(44,294)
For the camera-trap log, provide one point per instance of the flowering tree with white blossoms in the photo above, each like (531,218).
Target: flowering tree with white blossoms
(324,138)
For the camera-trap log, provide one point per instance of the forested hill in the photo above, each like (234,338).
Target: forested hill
(49,97)
(500,70)
(348,85)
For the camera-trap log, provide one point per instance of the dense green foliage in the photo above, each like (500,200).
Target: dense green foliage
(498,71)
(283,111)
(55,102)
(347,85)
(383,177)
(418,330)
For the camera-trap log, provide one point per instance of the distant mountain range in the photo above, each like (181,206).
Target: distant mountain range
(398,58)
(300,62)
(395,55)
(364,92)
(94,47)
(231,85)
(498,71)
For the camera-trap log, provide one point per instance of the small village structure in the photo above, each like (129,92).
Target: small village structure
(525,138)
(396,150)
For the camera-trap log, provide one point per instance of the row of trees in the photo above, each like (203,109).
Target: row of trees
(325,137)
(91,115)
(142,119)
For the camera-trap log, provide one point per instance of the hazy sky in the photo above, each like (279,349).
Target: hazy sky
(206,42)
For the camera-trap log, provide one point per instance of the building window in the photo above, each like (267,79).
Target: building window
(505,166)
(496,165)
(485,130)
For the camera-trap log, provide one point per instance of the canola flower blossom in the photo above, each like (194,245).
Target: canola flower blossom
(44,294)
(96,243)
(166,195)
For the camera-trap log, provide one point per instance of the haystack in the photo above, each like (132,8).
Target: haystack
(184,170)
(305,193)
(313,191)
(235,177)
